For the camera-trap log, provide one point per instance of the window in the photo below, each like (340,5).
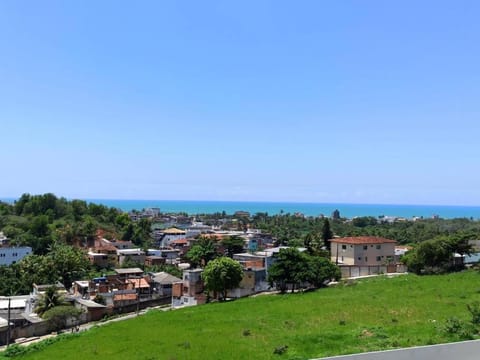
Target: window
(379,258)
(365,247)
(344,247)
(366,259)
(359,258)
(379,247)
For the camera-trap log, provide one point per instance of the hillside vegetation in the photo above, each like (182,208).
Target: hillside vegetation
(371,314)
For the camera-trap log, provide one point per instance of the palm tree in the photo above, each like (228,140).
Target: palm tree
(50,299)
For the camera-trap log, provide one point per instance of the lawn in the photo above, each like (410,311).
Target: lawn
(370,314)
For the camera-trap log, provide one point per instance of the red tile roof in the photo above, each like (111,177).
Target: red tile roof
(137,283)
(180,242)
(362,240)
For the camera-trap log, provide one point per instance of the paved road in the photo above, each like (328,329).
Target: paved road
(466,350)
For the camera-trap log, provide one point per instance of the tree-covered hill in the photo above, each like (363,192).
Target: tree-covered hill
(59,231)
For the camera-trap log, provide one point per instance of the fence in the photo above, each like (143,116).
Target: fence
(349,271)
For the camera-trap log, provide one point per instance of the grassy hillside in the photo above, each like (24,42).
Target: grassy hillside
(371,314)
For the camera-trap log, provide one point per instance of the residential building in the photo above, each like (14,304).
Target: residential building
(190,290)
(162,283)
(170,235)
(3,239)
(254,280)
(260,259)
(11,255)
(362,251)
(133,255)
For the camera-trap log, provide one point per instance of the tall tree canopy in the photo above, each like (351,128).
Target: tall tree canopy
(202,252)
(294,269)
(221,275)
(233,244)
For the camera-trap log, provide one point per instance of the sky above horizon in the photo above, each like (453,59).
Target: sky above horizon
(316,101)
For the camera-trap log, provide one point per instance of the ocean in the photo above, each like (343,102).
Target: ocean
(308,209)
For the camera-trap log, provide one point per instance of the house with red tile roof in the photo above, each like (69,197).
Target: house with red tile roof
(362,251)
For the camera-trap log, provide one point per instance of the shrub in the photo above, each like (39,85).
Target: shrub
(279,350)
(474,310)
(459,328)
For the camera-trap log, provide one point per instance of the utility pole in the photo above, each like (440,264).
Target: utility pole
(336,260)
(138,295)
(8,329)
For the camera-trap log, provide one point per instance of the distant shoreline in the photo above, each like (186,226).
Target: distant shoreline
(193,207)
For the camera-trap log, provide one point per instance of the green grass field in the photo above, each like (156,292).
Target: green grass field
(371,314)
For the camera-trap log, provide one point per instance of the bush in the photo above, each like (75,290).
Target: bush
(474,309)
(280,350)
(58,316)
(459,328)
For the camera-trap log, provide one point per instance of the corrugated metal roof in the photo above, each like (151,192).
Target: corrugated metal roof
(165,278)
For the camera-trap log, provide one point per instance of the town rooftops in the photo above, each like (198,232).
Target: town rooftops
(128,271)
(138,283)
(89,303)
(361,240)
(179,242)
(174,231)
(82,283)
(130,252)
(165,278)
(16,302)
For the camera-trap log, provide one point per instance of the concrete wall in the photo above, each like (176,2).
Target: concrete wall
(354,271)
(467,350)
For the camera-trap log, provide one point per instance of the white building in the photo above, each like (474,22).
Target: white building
(11,255)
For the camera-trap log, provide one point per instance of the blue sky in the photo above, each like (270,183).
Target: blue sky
(317,101)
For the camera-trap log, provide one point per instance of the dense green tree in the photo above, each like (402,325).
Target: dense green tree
(221,275)
(327,234)
(48,300)
(69,262)
(436,255)
(321,271)
(12,283)
(289,269)
(233,244)
(293,269)
(37,269)
(128,232)
(202,252)
(58,316)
